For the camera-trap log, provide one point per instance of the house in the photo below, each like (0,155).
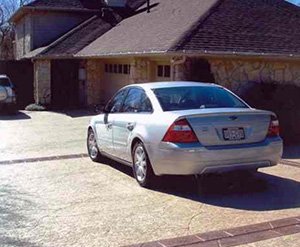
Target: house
(84,50)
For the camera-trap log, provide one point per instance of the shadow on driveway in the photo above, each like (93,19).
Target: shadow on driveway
(77,113)
(12,205)
(256,192)
(291,152)
(12,117)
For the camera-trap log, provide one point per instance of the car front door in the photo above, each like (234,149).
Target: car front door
(104,126)
(126,120)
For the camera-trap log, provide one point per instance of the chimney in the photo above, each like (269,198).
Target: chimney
(116,3)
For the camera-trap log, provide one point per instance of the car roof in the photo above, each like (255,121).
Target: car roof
(169,84)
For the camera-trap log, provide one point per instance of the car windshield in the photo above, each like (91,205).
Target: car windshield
(4,82)
(191,97)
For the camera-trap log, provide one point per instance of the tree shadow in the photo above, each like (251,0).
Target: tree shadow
(255,192)
(77,113)
(12,204)
(291,152)
(11,117)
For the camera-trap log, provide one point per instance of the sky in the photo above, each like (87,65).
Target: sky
(295,1)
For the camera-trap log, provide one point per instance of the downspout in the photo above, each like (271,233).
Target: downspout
(175,62)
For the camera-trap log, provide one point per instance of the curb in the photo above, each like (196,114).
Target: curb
(234,236)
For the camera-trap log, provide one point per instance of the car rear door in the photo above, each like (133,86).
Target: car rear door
(135,105)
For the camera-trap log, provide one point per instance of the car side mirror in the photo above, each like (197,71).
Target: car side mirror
(99,109)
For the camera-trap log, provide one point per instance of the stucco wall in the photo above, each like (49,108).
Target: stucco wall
(42,81)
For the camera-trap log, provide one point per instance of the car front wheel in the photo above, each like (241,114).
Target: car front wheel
(92,147)
(142,168)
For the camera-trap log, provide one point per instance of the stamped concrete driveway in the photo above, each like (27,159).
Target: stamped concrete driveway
(74,202)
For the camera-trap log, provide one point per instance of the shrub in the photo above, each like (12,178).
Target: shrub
(35,107)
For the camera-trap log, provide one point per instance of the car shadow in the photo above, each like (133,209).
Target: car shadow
(11,117)
(291,152)
(256,192)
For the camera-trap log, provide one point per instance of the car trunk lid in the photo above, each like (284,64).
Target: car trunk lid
(229,126)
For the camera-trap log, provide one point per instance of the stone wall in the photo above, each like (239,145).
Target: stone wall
(139,70)
(265,84)
(42,81)
(235,73)
(94,87)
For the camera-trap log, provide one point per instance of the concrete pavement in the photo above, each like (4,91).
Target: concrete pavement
(75,202)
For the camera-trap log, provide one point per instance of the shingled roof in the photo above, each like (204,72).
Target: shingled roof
(79,4)
(72,4)
(254,27)
(205,26)
(248,26)
(78,38)
(153,32)
(84,34)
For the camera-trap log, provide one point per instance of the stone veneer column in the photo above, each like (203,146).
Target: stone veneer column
(181,68)
(94,69)
(139,70)
(42,81)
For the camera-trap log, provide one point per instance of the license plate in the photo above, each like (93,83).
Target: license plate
(233,134)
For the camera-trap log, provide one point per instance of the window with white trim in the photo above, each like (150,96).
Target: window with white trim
(117,69)
(164,71)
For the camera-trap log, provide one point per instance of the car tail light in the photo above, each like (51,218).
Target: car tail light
(273,127)
(180,132)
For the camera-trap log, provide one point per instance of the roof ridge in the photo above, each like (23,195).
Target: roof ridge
(182,39)
(66,35)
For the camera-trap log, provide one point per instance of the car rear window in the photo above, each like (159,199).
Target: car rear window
(188,98)
(4,82)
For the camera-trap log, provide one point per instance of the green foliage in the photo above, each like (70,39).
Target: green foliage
(35,107)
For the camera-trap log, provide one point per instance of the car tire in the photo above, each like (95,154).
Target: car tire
(142,168)
(92,147)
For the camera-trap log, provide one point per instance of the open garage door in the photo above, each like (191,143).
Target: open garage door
(64,84)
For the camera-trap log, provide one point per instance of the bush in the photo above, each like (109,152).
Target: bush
(35,107)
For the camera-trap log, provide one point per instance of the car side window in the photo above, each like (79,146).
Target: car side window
(115,104)
(137,102)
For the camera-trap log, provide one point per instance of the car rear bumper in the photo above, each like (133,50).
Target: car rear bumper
(188,159)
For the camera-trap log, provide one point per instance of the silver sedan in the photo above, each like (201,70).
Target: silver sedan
(183,128)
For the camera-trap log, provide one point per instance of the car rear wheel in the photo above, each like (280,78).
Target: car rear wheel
(92,147)
(142,168)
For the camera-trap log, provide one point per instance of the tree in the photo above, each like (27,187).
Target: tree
(7,9)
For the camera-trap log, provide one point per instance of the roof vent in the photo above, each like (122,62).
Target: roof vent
(116,3)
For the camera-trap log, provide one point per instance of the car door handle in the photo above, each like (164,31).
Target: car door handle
(130,126)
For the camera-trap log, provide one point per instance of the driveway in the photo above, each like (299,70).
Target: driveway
(66,200)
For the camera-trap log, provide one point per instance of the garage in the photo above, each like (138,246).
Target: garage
(116,76)
(65,93)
